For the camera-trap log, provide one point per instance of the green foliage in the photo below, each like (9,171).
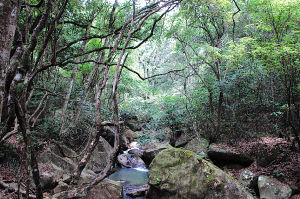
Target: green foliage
(277,173)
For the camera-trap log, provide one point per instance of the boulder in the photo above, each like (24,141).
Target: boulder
(297,196)
(150,153)
(50,157)
(47,181)
(246,178)
(198,145)
(131,121)
(137,190)
(136,151)
(124,160)
(167,133)
(124,143)
(137,162)
(61,187)
(182,139)
(63,151)
(106,189)
(130,161)
(86,176)
(270,188)
(265,154)
(221,156)
(100,157)
(176,173)
(130,135)
(55,165)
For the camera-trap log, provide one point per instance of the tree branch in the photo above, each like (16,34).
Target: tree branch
(233,28)
(145,78)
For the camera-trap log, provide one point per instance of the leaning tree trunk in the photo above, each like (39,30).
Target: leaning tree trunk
(96,136)
(9,15)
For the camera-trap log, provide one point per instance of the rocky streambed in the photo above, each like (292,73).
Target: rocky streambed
(197,170)
(132,174)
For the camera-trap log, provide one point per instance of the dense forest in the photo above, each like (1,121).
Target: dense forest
(210,85)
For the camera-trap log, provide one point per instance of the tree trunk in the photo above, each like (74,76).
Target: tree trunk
(31,154)
(9,11)
(75,69)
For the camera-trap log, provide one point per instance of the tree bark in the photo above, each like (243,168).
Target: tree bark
(31,154)
(9,11)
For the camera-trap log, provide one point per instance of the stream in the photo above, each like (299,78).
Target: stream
(133,174)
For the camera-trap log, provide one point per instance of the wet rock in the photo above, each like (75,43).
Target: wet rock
(270,188)
(124,160)
(136,152)
(130,161)
(137,162)
(177,173)
(222,156)
(137,190)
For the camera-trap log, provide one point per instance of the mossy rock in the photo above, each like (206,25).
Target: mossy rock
(198,145)
(183,175)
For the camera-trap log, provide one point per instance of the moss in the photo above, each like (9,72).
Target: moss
(181,172)
(194,183)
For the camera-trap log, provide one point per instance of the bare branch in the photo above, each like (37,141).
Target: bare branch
(145,78)
(233,28)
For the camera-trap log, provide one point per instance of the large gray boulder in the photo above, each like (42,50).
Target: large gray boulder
(100,157)
(270,188)
(106,189)
(58,162)
(130,161)
(176,173)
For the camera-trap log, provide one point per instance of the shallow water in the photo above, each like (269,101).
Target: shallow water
(131,176)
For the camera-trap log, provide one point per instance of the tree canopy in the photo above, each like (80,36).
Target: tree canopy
(72,69)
